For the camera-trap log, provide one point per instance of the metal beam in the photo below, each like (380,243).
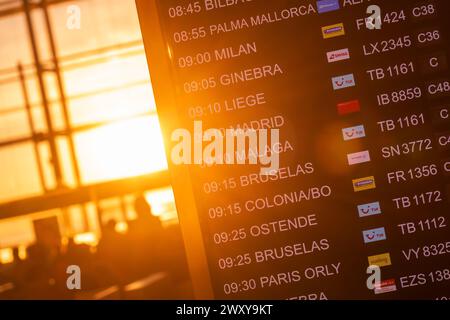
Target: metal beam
(20,9)
(26,100)
(57,169)
(69,197)
(42,136)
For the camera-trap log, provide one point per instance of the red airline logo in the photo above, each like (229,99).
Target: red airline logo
(348,107)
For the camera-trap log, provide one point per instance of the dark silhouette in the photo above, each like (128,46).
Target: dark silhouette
(148,240)
(148,261)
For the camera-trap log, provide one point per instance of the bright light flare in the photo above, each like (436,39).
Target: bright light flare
(125,149)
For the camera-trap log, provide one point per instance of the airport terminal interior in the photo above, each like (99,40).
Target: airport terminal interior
(84,175)
(224,149)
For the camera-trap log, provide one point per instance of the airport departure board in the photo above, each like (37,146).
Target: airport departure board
(360,97)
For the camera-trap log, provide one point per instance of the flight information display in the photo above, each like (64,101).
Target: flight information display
(359,92)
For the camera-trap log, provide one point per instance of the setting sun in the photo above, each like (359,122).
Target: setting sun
(125,149)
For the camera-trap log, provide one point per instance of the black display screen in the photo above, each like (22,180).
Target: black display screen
(363,117)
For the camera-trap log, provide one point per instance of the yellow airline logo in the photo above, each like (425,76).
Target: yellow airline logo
(362,184)
(332,31)
(381,260)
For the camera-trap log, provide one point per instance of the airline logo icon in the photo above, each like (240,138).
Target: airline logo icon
(327,5)
(369,209)
(363,184)
(381,260)
(385,286)
(333,31)
(338,55)
(353,133)
(348,107)
(342,82)
(374,235)
(358,157)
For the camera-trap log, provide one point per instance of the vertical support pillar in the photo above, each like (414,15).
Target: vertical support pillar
(26,100)
(43,92)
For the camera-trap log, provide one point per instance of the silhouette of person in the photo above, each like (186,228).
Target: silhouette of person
(113,252)
(147,239)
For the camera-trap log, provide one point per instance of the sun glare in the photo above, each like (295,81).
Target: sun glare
(6,256)
(126,149)
(88,238)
